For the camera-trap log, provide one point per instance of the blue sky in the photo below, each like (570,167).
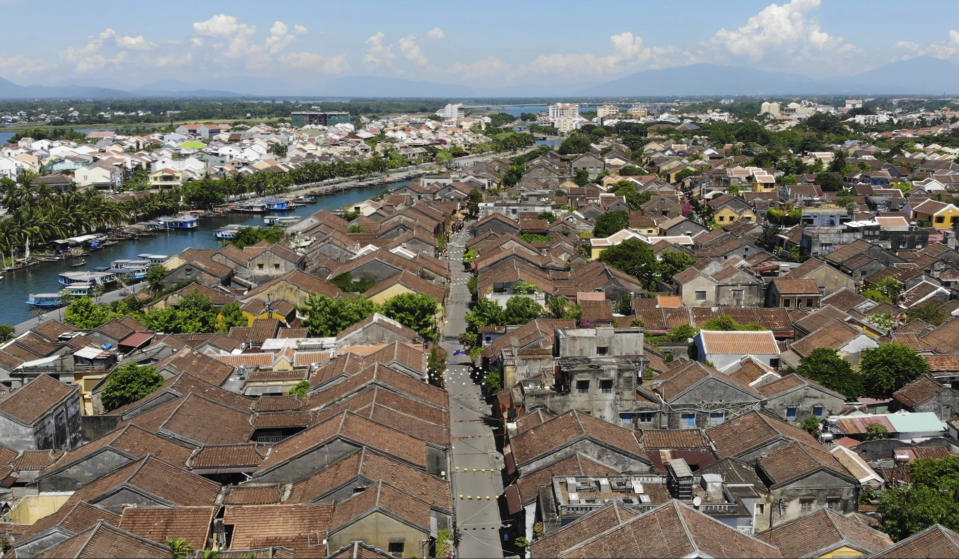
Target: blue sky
(309,42)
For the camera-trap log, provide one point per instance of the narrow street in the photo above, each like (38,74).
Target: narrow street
(477,482)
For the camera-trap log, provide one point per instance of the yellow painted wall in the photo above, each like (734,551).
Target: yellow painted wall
(86,383)
(596,251)
(947,215)
(760,187)
(377,529)
(34,507)
(729,216)
(250,317)
(281,290)
(842,552)
(389,293)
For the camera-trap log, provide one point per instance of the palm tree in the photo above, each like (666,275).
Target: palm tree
(180,547)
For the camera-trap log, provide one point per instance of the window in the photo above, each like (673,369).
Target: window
(760,508)
(647,417)
(791,414)
(834,503)
(805,505)
(809,302)
(774,363)
(627,418)
(817,411)
(700,295)
(798,303)
(276,266)
(785,303)
(582,386)
(737,293)
(689,420)
(940,219)
(396,548)
(721,218)
(606,386)
(602,350)
(259,266)
(717,417)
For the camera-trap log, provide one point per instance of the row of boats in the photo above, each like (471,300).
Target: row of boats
(80,284)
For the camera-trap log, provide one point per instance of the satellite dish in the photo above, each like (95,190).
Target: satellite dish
(697,501)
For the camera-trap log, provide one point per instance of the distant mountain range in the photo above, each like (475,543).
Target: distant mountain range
(921,76)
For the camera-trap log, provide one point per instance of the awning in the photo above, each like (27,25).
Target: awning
(137,339)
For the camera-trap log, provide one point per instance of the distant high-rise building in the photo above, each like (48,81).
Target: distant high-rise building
(603,111)
(638,111)
(452,111)
(769,108)
(564,116)
(329,118)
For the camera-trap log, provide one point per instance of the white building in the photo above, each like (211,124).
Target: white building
(452,111)
(564,116)
(769,108)
(603,111)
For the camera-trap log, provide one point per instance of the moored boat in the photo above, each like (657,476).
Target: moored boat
(45,300)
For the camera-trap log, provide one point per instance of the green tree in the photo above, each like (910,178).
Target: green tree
(727,323)
(561,307)
(328,317)
(811,425)
(154,277)
(194,314)
(932,497)
(634,257)
(6,332)
(85,314)
(581,177)
(829,182)
(485,313)
(672,262)
(230,315)
(179,547)
(249,236)
(827,368)
(889,367)
(520,310)
(436,364)
(302,389)
(876,431)
(610,222)
(128,383)
(416,310)
(475,199)
(933,312)
(575,143)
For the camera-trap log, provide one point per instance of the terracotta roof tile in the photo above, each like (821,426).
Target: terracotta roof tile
(937,541)
(36,398)
(254,495)
(226,456)
(298,527)
(751,431)
(104,540)
(159,523)
(823,531)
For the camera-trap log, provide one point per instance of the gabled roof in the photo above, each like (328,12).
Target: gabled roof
(919,391)
(739,342)
(936,541)
(159,523)
(35,399)
(834,335)
(677,382)
(384,498)
(301,528)
(751,431)
(581,529)
(563,430)
(796,460)
(106,540)
(672,530)
(823,531)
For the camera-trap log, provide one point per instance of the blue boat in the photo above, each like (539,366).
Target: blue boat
(136,269)
(66,279)
(45,300)
(79,290)
(185,221)
(277,204)
(227,232)
(154,258)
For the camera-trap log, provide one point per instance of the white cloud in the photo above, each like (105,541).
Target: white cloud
(436,33)
(944,49)
(779,30)
(281,36)
(377,52)
(223,26)
(317,62)
(92,56)
(134,42)
(628,50)
(411,50)
(18,66)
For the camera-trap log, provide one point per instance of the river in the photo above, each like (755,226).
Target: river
(17,285)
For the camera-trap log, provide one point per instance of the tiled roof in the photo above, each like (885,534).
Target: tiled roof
(105,540)
(795,460)
(382,497)
(298,527)
(36,398)
(673,438)
(822,531)
(226,456)
(159,523)
(945,338)
(833,335)
(35,459)
(943,363)
(581,529)
(796,286)
(254,495)
(918,391)
(563,430)
(202,420)
(739,343)
(937,541)
(750,431)
(85,515)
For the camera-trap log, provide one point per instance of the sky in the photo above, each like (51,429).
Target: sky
(492,43)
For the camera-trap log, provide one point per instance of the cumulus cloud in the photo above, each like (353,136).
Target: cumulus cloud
(17,66)
(281,36)
(377,51)
(776,30)
(436,33)
(105,48)
(944,49)
(628,49)
(228,28)
(411,50)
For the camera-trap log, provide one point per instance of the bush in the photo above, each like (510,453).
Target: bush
(129,383)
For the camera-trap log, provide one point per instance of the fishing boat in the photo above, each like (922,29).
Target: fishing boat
(257,207)
(67,279)
(153,258)
(180,222)
(78,263)
(227,232)
(280,219)
(45,300)
(277,204)
(78,290)
(135,269)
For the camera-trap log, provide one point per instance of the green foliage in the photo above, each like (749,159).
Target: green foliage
(826,367)
(194,314)
(501,119)
(890,287)
(230,315)
(355,228)
(680,334)
(415,310)
(889,367)
(634,198)
(581,177)
(48,134)
(611,222)
(523,288)
(561,307)
(472,285)
(931,498)
(932,312)
(346,282)
(786,218)
(469,256)
(876,295)
(830,182)
(876,431)
(302,389)
(824,123)
(328,317)
(475,198)
(444,544)
(6,332)
(520,310)
(672,262)
(534,238)
(154,277)
(249,236)
(811,425)
(548,217)
(730,324)
(882,320)
(494,379)
(634,257)
(631,171)
(85,314)
(575,143)
(128,383)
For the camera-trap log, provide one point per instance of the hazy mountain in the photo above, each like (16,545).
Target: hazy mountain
(928,76)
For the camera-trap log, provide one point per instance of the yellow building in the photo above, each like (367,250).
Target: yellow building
(939,215)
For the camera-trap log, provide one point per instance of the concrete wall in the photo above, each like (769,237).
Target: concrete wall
(16,436)
(804,400)
(611,457)
(688,292)
(82,473)
(710,396)
(819,488)
(378,529)
(116,501)
(944,405)
(309,463)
